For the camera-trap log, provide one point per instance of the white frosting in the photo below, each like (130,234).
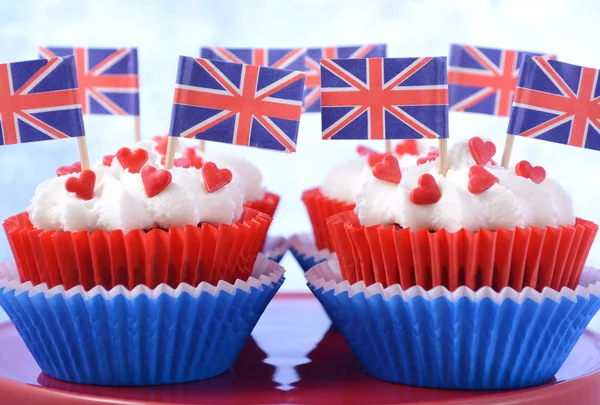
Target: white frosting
(346,179)
(514,201)
(120,201)
(245,174)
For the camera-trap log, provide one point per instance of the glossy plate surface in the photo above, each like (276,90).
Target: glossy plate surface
(292,358)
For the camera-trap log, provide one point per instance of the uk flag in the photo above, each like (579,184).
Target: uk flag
(557,102)
(483,80)
(384,98)
(108,78)
(312,92)
(238,104)
(39,101)
(292,59)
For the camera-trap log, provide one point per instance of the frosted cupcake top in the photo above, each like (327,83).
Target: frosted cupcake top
(245,174)
(345,180)
(476,193)
(139,196)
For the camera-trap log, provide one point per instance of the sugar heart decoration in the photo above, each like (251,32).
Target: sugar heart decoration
(427,192)
(431,156)
(215,178)
(408,147)
(74,168)
(134,161)
(107,160)
(363,150)
(537,174)
(375,158)
(480,179)
(388,170)
(162,141)
(195,160)
(155,180)
(83,186)
(482,151)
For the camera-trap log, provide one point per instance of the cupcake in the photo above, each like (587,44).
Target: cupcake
(128,222)
(464,339)
(479,226)
(343,182)
(247,176)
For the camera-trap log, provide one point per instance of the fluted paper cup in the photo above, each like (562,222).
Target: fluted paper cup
(319,209)
(306,253)
(191,254)
(138,337)
(268,204)
(519,258)
(465,339)
(275,248)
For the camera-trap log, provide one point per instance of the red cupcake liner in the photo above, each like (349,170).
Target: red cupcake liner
(531,257)
(319,209)
(268,205)
(191,254)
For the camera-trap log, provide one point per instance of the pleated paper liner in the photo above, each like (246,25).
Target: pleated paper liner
(191,254)
(319,209)
(464,339)
(268,205)
(142,336)
(306,253)
(275,248)
(531,257)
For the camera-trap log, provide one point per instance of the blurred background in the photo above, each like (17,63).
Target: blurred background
(164,29)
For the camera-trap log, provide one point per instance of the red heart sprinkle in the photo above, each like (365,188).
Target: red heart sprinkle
(215,178)
(74,168)
(134,161)
(189,153)
(428,191)
(162,141)
(537,174)
(431,156)
(82,186)
(107,160)
(388,170)
(155,180)
(482,151)
(407,148)
(375,158)
(363,150)
(480,179)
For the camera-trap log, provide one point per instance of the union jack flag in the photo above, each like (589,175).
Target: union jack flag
(292,59)
(557,102)
(238,104)
(108,78)
(483,80)
(39,101)
(312,91)
(384,98)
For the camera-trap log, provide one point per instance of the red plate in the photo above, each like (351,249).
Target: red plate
(291,359)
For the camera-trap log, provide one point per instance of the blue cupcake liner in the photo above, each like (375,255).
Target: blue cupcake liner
(461,340)
(306,253)
(139,336)
(275,248)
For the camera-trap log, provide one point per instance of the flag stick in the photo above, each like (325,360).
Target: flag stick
(508,146)
(138,132)
(443,156)
(170,155)
(388,146)
(83,153)
(202,146)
